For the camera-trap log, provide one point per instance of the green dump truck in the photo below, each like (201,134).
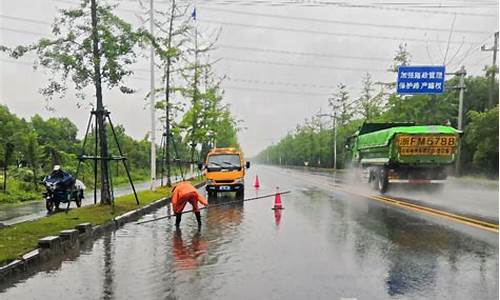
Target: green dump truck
(402,153)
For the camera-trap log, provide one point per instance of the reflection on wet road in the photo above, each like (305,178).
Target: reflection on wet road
(323,245)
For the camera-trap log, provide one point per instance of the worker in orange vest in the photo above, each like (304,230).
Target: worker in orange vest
(183,193)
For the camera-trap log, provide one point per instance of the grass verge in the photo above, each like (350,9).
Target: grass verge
(18,239)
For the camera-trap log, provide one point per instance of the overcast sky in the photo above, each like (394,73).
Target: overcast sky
(282,58)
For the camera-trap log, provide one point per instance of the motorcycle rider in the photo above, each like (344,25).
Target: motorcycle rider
(65,179)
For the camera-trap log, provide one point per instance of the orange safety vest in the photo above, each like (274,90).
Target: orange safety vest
(185,192)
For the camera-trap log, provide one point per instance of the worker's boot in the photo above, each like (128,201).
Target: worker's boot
(178,218)
(198,218)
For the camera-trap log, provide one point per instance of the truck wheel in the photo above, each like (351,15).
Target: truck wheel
(240,194)
(373,179)
(382,180)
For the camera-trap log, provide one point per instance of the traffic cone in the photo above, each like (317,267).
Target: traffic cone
(277,200)
(256,183)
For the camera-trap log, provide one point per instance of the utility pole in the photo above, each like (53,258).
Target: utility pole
(494,49)
(461,87)
(462,72)
(152,97)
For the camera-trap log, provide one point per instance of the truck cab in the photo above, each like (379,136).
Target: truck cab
(224,170)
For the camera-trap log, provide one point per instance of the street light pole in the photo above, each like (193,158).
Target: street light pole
(152,99)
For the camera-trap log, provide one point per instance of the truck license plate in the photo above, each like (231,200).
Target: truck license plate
(427,145)
(225,188)
(427,141)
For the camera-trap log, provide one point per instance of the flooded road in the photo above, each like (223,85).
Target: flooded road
(31,210)
(323,245)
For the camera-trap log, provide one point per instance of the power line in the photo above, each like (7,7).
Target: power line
(303,65)
(276,91)
(344,4)
(247,48)
(471,51)
(349,35)
(288,52)
(292,84)
(251,61)
(23,31)
(24,19)
(16,62)
(251,81)
(329,21)
(343,34)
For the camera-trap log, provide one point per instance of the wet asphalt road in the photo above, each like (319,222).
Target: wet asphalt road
(323,245)
(26,211)
(457,196)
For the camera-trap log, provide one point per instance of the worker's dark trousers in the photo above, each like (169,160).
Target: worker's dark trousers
(178,218)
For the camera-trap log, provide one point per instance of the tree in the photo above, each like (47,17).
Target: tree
(481,137)
(340,104)
(13,132)
(92,47)
(401,58)
(193,89)
(33,156)
(167,45)
(369,104)
(56,131)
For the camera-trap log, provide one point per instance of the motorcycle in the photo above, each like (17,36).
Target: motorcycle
(62,189)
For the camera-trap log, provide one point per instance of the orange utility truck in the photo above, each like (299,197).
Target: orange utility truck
(224,170)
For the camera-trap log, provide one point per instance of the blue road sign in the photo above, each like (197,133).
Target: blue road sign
(421,79)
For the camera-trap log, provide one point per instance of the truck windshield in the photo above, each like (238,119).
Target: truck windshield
(223,161)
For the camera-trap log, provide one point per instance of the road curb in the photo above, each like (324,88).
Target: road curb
(53,248)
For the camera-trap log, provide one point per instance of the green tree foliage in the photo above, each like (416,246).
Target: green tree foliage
(33,148)
(70,54)
(401,58)
(215,126)
(91,47)
(341,106)
(13,143)
(56,130)
(481,140)
(369,102)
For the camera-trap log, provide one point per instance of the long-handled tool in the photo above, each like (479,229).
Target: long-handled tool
(215,205)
